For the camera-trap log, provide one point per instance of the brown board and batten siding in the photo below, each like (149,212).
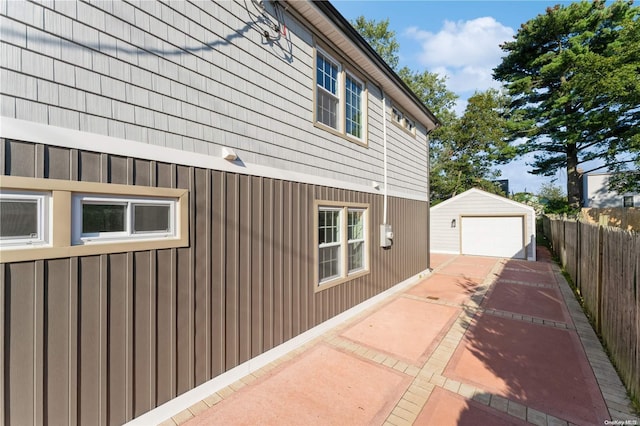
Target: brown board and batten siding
(102,339)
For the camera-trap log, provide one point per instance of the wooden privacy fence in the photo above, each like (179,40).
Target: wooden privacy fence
(604,264)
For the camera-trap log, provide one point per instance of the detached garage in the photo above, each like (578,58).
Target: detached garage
(482,224)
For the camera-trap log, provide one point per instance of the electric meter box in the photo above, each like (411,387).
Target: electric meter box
(386,236)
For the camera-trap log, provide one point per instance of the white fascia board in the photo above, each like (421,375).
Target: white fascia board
(27,131)
(452,199)
(488,194)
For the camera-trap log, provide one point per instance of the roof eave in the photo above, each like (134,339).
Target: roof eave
(389,80)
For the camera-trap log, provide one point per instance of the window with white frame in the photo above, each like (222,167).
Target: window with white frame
(410,125)
(50,218)
(328,95)
(330,243)
(342,242)
(397,115)
(353,104)
(103,218)
(627,201)
(24,219)
(402,120)
(340,98)
(355,239)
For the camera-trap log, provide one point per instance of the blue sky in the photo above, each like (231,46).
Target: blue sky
(459,40)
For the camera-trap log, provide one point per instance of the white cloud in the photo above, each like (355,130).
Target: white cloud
(464,51)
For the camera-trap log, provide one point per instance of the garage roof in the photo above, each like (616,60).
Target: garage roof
(496,197)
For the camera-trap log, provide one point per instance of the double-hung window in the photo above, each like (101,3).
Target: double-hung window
(340,99)
(355,239)
(342,242)
(328,96)
(353,103)
(330,243)
(101,218)
(24,218)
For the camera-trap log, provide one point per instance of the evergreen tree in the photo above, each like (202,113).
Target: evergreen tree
(573,74)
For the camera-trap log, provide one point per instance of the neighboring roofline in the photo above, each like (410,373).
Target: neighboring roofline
(621,172)
(480,191)
(598,174)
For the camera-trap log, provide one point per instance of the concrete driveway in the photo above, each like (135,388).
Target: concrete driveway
(480,341)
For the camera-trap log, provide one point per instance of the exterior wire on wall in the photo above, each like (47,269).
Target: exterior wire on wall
(384,155)
(271,26)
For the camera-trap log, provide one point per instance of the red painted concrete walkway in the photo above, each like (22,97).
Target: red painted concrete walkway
(481,341)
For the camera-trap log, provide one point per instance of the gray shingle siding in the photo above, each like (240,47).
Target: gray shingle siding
(190,75)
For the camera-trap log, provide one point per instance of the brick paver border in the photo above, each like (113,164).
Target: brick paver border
(430,375)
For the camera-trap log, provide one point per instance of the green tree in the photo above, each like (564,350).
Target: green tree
(554,199)
(463,149)
(470,148)
(432,90)
(573,77)
(550,191)
(380,37)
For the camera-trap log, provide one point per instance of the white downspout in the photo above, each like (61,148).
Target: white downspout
(384,156)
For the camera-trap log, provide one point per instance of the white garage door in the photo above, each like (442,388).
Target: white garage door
(493,236)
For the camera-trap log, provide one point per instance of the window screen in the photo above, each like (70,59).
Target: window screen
(18,219)
(151,218)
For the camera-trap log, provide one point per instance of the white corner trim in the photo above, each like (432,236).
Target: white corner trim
(445,252)
(27,131)
(197,394)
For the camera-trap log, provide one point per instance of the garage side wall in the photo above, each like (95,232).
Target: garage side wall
(446,239)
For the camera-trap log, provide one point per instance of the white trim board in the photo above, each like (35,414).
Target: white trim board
(27,131)
(197,394)
(444,252)
(487,194)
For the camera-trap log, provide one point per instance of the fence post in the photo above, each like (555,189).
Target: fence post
(578,278)
(599,279)
(563,257)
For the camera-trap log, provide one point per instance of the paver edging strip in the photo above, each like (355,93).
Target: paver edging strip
(180,405)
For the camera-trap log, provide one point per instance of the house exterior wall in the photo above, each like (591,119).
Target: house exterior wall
(102,339)
(146,94)
(445,239)
(597,194)
(195,76)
